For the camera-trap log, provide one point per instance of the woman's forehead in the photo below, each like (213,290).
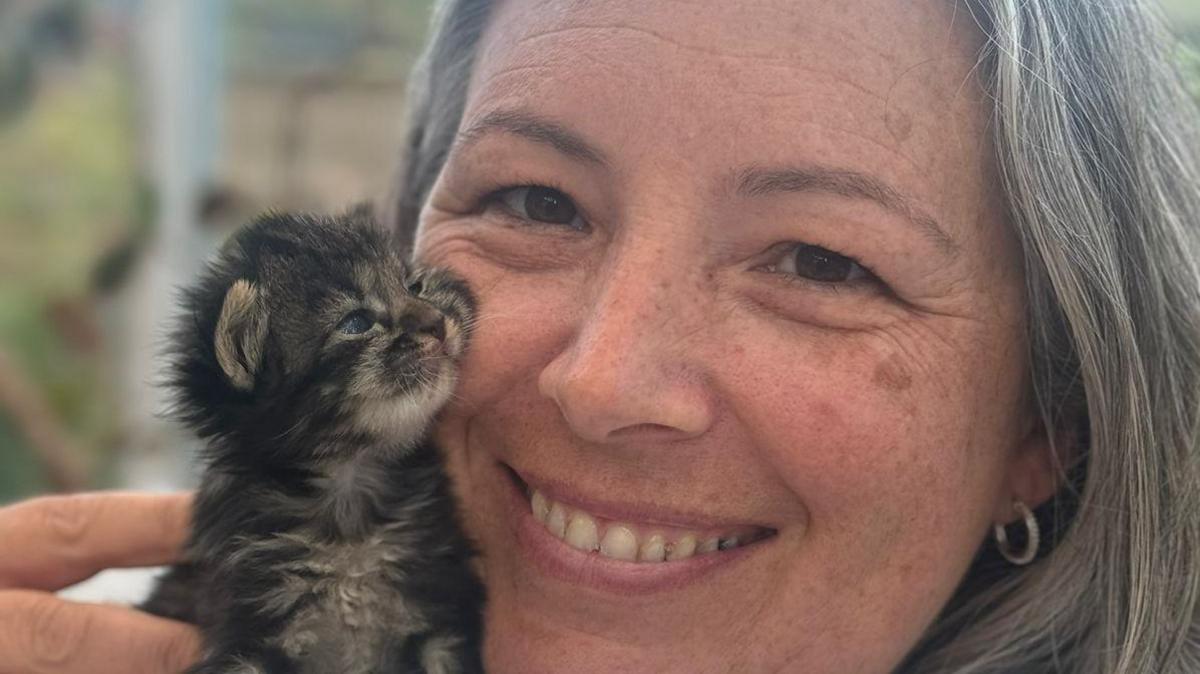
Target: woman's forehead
(884,89)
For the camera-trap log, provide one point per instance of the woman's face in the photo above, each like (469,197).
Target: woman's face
(743,274)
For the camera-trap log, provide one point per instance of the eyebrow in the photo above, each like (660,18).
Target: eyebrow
(536,129)
(758,181)
(753,182)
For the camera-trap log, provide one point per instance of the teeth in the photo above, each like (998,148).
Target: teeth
(582,533)
(556,520)
(541,507)
(682,549)
(653,550)
(622,541)
(619,543)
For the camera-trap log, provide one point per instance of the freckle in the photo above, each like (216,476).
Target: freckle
(892,375)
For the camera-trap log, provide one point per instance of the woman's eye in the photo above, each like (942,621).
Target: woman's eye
(356,323)
(542,204)
(821,265)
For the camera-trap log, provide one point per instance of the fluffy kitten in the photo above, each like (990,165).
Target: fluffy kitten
(325,537)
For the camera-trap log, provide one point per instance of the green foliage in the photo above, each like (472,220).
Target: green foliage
(67,192)
(67,185)
(19,475)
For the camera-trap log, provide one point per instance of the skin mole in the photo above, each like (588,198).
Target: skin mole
(891,374)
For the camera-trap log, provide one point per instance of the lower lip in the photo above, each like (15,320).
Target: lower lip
(556,559)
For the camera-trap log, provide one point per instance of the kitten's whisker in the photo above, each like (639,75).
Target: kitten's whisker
(480,319)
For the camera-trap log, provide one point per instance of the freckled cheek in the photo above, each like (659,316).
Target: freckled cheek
(866,443)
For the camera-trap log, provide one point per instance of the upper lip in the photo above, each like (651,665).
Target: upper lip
(628,511)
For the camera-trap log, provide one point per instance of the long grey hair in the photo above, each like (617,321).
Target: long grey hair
(1097,143)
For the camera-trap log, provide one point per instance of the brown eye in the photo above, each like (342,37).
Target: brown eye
(542,204)
(822,265)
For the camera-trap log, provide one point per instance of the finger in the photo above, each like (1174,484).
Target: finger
(42,633)
(55,541)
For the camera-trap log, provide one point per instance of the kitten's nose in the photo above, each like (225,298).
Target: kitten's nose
(423,320)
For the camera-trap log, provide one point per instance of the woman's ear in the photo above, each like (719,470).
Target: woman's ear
(241,333)
(1034,472)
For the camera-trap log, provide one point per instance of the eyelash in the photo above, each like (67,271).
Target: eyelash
(495,198)
(868,281)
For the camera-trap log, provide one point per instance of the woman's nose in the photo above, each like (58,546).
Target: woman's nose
(629,371)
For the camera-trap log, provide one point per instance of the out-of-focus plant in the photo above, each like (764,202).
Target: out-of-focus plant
(67,193)
(29,32)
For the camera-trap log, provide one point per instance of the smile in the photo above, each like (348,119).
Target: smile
(629,542)
(620,538)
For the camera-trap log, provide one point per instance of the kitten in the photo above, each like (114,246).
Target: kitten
(325,537)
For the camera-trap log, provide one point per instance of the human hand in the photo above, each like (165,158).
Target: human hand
(49,543)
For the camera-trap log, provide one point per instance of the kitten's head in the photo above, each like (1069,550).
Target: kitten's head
(315,326)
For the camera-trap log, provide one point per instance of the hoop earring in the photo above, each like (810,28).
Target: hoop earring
(1031,546)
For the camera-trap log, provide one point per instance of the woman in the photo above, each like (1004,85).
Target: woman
(870,329)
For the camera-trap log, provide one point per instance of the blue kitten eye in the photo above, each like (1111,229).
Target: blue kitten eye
(356,323)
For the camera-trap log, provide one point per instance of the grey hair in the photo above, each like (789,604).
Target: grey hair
(1097,145)
(1096,141)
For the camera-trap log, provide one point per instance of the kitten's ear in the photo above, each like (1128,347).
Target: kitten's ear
(241,334)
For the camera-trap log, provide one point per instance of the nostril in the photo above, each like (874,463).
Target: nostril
(435,329)
(431,324)
(439,330)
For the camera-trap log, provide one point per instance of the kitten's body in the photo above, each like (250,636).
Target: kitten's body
(325,537)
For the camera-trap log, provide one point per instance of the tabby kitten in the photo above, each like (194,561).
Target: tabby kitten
(325,538)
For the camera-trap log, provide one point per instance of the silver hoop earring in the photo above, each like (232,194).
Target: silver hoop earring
(1031,545)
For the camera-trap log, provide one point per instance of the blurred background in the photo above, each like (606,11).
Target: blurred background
(134,134)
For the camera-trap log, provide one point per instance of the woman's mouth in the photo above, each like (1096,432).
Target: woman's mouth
(633,542)
(609,548)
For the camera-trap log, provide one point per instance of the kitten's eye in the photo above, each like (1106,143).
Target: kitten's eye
(542,204)
(416,286)
(820,264)
(356,322)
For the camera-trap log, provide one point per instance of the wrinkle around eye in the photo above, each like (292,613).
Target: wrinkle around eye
(449,235)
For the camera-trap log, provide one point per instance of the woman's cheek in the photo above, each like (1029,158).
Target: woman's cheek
(840,417)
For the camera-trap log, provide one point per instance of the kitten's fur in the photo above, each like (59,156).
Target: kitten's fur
(325,538)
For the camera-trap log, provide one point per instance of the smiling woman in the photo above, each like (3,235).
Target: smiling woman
(750,247)
(788,308)
(816,337)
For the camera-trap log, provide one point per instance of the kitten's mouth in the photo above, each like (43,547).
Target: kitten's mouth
(423,362)
(404,401)
(628,540)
